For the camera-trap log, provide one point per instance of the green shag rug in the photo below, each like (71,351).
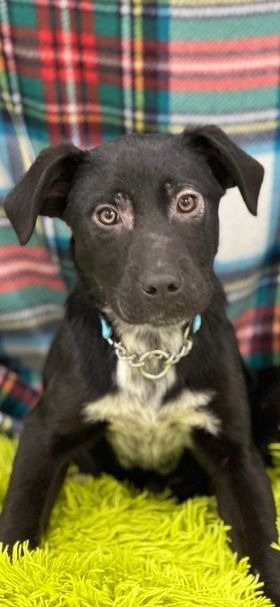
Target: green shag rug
(108,544)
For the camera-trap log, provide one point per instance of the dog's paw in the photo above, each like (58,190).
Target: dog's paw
(10,539)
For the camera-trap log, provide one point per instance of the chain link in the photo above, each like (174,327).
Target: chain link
(139,361)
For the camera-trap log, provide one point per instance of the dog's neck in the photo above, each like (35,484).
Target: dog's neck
(153,351)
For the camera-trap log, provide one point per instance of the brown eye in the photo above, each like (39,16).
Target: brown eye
(186,203)
(108,216)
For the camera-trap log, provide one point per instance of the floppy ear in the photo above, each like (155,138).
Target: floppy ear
(229,163)
(44,188)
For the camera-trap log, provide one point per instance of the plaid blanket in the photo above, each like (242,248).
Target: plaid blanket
(92,70)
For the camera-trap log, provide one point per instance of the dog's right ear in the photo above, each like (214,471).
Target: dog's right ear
(44,189)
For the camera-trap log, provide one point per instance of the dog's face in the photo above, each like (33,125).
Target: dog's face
(144,217)
(143,211)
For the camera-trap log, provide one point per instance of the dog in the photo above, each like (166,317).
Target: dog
(144,379)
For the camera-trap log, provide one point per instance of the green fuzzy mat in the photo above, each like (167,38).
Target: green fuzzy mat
(108,544)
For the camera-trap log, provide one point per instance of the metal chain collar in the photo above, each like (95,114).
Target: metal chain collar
(140,361)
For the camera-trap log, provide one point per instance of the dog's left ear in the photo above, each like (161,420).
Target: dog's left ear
(229,163)
(44,188)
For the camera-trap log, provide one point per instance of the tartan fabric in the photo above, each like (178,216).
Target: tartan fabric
(88,71)
(15,394)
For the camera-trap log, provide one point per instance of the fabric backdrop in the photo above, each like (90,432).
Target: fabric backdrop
(88,71)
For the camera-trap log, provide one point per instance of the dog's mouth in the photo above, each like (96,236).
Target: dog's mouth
(159,318)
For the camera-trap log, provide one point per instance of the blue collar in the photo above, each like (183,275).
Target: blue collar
(164,359)
(196,324)
(107,330)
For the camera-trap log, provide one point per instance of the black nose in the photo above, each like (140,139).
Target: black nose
(161,285)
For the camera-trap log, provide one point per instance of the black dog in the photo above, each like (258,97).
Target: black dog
(132,376)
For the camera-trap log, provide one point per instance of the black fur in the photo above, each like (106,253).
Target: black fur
(155,267)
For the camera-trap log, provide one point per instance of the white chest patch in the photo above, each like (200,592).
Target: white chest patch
(142,430)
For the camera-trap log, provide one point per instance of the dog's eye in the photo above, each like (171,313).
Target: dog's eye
(187,202)
(108,216)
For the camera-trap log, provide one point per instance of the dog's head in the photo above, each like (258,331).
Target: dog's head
(143,211)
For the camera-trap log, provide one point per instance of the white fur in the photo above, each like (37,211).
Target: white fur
(139,339)
(143,430)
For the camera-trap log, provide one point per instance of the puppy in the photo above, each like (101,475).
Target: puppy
(145,372)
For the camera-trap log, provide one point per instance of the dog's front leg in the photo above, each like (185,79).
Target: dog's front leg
(246,503)
(42,458)
(37,474)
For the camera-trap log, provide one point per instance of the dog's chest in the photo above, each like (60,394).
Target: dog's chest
(144,430)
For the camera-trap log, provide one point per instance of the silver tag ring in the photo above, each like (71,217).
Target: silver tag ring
(155,376)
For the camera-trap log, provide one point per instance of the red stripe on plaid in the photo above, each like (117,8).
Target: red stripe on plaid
(263,344)
(48,37)
(16,252)
(24,393)
(27,266)
(207,48)
(88,38)
(238,46)
(200,84)
(242,321)
(50,74)
(31,281)
(221,84)
(255,330)
(79,119)
(255,333)
(11,385)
